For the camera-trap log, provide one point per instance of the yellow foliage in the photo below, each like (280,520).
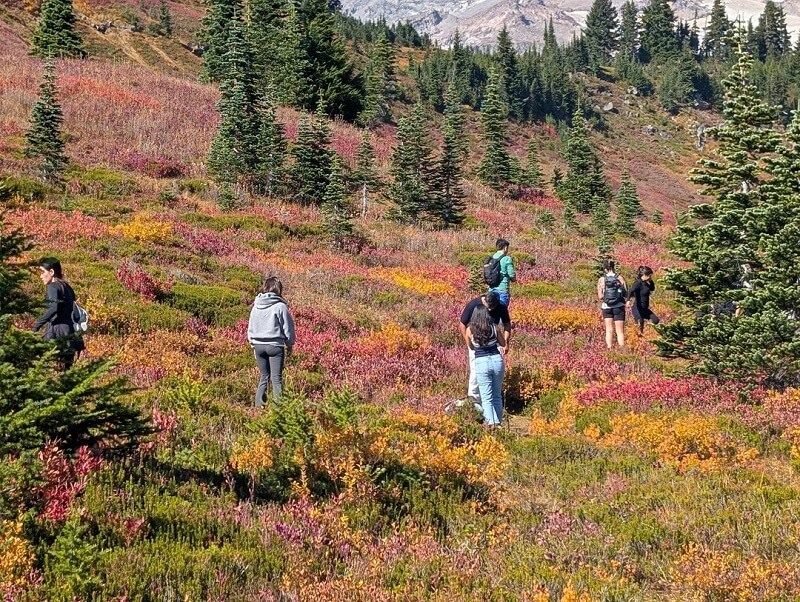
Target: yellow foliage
(527,383)
(104,318)
(420,283)
(571,594)
(254,456)
(144,229)
(564,422)
(718,574)
(559,318)
(393,339)
(16,555)
(168,351)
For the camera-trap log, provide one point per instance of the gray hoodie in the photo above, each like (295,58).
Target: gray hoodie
(270,322)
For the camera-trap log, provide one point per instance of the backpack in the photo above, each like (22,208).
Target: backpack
(492,275)
(80,318)
(614,294)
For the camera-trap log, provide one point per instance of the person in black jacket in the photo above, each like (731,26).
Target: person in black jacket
(639,297)
(57,318)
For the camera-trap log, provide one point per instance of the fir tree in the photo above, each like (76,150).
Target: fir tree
(381,83)
(506,57)
(365,176)
(741,288)
(461,66)
(495,167)
(628,205)
(533,173)
(269,39)
(772,35)
(411,167)
(629,32)
(717,32)
(164,19)
(216,33)
(270,149)
(43,138)
(55,34)
(234,151)
(312,159)
(584,184)
(676,88)
(337,211)
(601,32)
(448,202)
(658,32)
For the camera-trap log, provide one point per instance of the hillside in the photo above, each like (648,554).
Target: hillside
(617,477)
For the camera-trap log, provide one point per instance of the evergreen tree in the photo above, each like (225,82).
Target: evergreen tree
(495,167)
(629,32)
(448,201)
(506,57)
(43,138)
(462,63)
(584,185)
(533,174)
(676,88)
(716,34)
(601,32)
(275,43)
(164,19)
(771,33)
(658,32)
(55,34)
(601,199)
(365,176)
(740,281)
(270,149)
(234,151)
(337,211)
(381,83)
(312,159)
(411,166)
(628,205)
(216,33)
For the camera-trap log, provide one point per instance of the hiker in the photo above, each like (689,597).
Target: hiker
(485,341)
(499,270)
(58,317)
(271,333)
(611,289)
(498,314)
(639,298)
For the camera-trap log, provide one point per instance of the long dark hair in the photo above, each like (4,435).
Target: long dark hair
(481,326)
(644,271)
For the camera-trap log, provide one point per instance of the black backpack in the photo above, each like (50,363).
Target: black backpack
(614,294)
(491,272)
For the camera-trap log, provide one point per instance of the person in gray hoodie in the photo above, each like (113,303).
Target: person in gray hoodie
(271,333)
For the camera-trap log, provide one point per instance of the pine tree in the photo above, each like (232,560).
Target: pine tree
(462,63)
(495,167)
(506,56)
(337,211)
(43,138)
(411,167)
(270,149)
(365,176)
(268,37)
(658,32)
(742,286)
(234,151)
(312,159)
(716,34)
(55,34)
(629,32)
(381,83)
(216,33)
(164,19)
(448,199)
(601,198)
(601,32)
(773,37)
(533,174)
(584,184)
(676,88)
(629,206)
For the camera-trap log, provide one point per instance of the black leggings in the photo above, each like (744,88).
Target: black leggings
(640,314)
(270,363)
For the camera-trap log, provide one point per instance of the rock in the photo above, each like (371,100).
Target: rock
(609,107)
(103,27)
(627,101)
(650,130)
(633,90)
(702,105)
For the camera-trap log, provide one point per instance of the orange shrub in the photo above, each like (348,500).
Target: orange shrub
(549,316)
(144,229)
(16,556)
(424,284)
(254,456)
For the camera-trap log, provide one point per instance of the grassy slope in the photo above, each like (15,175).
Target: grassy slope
(599,513)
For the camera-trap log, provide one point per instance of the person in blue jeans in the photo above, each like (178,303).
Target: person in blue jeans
(486,340)
(507,272)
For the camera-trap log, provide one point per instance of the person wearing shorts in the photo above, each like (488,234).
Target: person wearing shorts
(611,291)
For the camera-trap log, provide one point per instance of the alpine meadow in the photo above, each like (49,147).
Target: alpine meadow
(299,307)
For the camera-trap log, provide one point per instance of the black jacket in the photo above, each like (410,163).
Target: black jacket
(58,315)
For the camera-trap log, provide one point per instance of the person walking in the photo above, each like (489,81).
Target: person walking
(498,314)
(271,333)
(486,340)
(506,272)
(611,291)
(57,317)
(639,298)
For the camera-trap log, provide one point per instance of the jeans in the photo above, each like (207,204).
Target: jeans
(489,372)
(270,360)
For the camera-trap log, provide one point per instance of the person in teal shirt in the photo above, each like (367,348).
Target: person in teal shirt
(507,272)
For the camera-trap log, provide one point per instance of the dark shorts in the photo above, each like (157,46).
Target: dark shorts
(615,313)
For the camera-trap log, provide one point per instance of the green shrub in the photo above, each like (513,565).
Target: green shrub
(212,303)
(101,182)
(28,189)
(193,186)
(149,316)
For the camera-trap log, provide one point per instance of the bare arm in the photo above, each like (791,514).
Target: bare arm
(601,288)
(468,337)
(502,341)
